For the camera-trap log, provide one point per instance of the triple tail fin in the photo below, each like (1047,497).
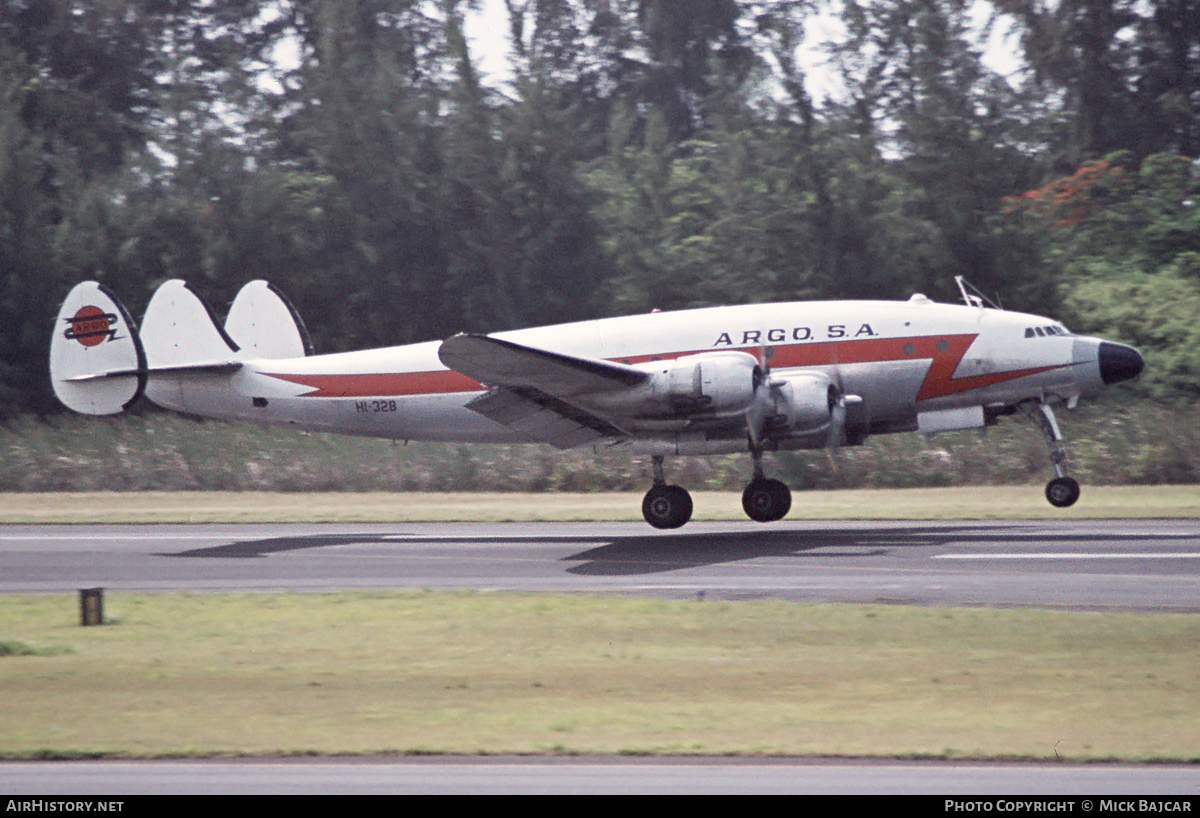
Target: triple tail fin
(180,333)
(97,363)
(265,323)
(100,363)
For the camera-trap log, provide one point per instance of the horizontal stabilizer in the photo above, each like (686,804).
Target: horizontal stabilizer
(195,369)
(97,364)
(265,324)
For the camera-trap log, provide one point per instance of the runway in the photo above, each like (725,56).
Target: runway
(1130,565)
(1054,783)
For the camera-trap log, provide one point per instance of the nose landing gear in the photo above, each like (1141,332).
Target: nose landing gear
(1062,491)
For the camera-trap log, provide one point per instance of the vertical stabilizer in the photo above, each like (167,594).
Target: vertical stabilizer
(97,364)
(180,330)
(265,324)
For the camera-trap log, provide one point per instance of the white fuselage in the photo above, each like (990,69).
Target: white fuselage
(915,364)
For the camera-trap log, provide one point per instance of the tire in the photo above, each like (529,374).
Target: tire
(1062,492)
(667,506)
(766,501)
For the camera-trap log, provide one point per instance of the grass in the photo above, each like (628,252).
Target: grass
(406,673)
(1109,445)
(18,648)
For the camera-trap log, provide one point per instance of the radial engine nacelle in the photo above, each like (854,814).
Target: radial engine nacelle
(714,384)
(804,403)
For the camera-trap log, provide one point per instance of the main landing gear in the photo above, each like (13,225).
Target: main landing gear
(764,500)
(1062,491)
(666,506)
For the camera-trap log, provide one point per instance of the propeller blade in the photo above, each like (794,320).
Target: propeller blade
(837,424)
(756,413)
(754,429)
(837,433)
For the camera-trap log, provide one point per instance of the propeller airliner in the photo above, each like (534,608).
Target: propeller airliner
(717,380)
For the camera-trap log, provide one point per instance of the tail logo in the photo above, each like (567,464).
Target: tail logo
(91,325)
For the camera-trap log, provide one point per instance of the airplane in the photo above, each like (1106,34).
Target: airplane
(716,380)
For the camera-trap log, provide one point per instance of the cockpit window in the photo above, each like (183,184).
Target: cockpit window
(1041,332)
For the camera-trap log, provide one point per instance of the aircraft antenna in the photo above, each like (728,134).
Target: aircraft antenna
(971,296)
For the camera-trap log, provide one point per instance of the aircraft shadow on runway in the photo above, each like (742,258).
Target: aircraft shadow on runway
(662,552)
(641,554)
(621,555)
(650,553)
(655,553)
(252,549)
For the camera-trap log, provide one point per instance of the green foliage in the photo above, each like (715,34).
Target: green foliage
(40,183)
(1125,238)
(712,221)
(1109,444)
(1155,312)
(1124,71)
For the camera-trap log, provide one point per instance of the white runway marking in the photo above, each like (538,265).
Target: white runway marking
(1079,555)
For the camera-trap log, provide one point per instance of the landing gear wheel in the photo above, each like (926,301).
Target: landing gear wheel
(766,500)
(667,506)
(1062,492)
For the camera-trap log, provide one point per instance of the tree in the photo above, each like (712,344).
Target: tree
(520,241)
(1128,72)
(77,88)
(1168,82)
(933,138)
(350,158)
(1124,240)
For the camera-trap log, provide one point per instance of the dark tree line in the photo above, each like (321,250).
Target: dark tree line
(641,154)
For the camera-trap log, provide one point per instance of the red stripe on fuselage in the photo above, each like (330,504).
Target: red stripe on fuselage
(944,352)
(382,384)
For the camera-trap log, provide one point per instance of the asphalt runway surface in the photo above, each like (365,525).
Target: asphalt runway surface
(1141,565)
(1002,782)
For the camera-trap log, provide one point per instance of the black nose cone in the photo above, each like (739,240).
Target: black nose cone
(1119,362)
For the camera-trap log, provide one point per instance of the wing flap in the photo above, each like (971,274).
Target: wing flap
(504,363)
(544,417)
(536,388)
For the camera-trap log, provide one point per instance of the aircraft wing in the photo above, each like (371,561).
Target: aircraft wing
(536,388)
